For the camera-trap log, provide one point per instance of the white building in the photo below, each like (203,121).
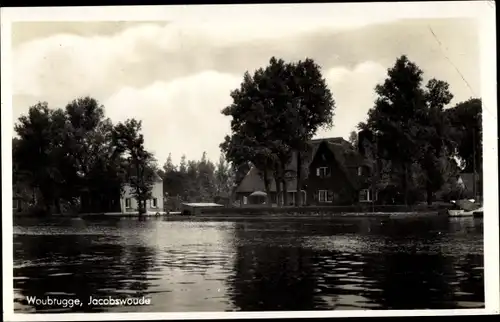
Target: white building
(128,203)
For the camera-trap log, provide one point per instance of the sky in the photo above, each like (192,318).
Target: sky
(176,75)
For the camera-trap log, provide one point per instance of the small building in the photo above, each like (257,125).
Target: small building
(128,202)
(334,173)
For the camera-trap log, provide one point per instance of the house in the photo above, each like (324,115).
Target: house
(334,173)
(128,202)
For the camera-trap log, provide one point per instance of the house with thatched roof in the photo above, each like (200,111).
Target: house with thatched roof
(333,173)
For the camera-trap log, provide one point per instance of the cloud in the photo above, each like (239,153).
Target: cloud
(354,93)
(177,76)
(66,64)
(183,116)
(179,117)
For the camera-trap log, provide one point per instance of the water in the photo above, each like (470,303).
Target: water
(341,264)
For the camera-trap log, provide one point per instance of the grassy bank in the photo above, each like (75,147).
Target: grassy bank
(324,210)
(286,212)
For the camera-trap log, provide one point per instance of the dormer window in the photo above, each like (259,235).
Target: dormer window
(323,172)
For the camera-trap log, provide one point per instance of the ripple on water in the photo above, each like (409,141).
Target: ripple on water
(205,266)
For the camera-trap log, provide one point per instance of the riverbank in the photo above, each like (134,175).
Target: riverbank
(298,217)
(305,212)
(356,210)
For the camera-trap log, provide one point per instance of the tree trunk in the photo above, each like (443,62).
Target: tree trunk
(140,207)
(58,206)
(298,199)
(266,186)
(429,194)
(277,181)
(285,193)
(405,183)
(283,181)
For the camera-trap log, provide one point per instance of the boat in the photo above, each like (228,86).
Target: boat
(465,208)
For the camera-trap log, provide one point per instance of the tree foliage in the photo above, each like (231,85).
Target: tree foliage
(275,111)
(140,164)
(465,119)
(414,132)
(353,139)
(201,181)
(68,158)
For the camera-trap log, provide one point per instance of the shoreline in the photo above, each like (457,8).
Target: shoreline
(246,216)
(265,213)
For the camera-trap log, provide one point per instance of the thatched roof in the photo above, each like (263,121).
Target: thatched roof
(343,151)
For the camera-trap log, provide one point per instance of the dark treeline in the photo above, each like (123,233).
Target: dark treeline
(200,180)
(417,143)
(74,159)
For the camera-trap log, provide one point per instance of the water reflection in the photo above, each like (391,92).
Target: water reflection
(68,264)
(346,263)
(271,272)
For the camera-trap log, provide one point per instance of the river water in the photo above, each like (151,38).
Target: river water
(193,266)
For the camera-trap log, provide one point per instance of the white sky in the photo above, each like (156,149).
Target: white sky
(176,76)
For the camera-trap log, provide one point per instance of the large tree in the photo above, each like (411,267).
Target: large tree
(252,123)
(89,145)
(277,110)
(141,164)
(37,154)
(66,156)
(436,144)
(312,107)
(395,118)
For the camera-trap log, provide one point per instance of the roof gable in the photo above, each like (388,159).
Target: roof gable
(343,152)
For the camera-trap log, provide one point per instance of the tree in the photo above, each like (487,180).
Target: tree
(310,107)
(98,169)
(183,165)
(191,178)
(465,119)
(353,139)
(224,177)
(205,179)
(434,136)
(394,120)
(37,151)
(74,157)
(169,166)
(275,111)
(141,167)
(253,118)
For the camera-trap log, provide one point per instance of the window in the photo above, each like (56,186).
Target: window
(128,203)
(323,172)
(154,203)
(367,195)
(325,196)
